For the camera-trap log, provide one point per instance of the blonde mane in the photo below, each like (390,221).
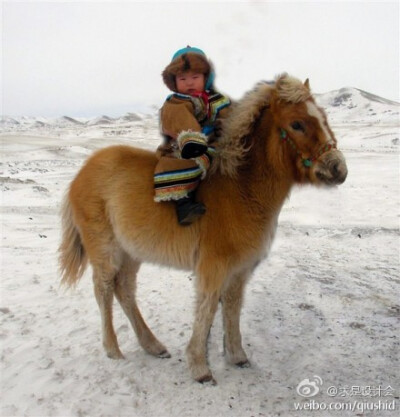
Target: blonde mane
(231,146)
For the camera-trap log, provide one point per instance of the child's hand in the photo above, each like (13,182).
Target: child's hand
(192,144)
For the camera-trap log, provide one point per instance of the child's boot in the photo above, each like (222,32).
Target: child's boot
(189,210)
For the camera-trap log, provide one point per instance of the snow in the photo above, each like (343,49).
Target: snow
(325,303)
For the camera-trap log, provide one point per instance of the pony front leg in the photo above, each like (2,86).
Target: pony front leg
(196,351)
(232,298)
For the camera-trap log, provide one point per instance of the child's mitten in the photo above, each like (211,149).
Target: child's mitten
(192,144)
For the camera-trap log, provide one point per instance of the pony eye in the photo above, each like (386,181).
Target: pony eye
(297,126)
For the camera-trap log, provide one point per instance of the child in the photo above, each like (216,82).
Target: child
(187,119)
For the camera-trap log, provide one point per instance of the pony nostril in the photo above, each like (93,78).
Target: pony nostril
(338,172)
(335,171)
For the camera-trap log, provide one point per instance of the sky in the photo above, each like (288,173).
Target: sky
(89,58)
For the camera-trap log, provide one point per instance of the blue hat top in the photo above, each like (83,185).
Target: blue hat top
(187,50)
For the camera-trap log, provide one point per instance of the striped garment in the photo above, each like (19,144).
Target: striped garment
(174,185)
(173,181)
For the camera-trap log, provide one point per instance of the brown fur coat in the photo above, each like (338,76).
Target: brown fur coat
(178,115)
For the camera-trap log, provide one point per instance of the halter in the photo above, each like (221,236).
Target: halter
(307,162)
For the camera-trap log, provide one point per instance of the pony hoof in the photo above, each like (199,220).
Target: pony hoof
(164,354)
(243,364)
(115,355)
(207,379)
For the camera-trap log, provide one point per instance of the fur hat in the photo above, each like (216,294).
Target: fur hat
(188,59)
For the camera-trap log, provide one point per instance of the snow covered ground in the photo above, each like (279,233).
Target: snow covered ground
(324,307)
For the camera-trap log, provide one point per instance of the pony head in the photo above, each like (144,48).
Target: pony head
(304,133)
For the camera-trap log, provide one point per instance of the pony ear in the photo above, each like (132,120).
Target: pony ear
(307,84)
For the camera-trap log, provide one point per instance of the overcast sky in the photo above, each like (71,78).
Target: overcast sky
(90,58)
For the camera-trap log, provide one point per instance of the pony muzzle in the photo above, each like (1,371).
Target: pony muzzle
(331,168)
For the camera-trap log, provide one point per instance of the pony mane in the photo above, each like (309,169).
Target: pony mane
(232,146)
(292,90)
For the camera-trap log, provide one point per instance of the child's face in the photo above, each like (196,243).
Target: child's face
(189,82)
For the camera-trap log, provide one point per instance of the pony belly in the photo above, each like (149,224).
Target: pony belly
(152,233)
(164,252)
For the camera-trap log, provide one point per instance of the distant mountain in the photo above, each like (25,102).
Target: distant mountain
(9,121)
(373,97)
(347,105)
(25,122)
(102,120)
(352,105)
(66,120)
(130,117)
(352,96)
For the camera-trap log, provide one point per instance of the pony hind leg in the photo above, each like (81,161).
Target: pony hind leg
(125,291)
(231,299)
(103,280)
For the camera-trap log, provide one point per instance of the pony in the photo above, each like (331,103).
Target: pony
(275,137)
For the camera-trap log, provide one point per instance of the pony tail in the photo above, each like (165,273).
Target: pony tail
(72,255)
